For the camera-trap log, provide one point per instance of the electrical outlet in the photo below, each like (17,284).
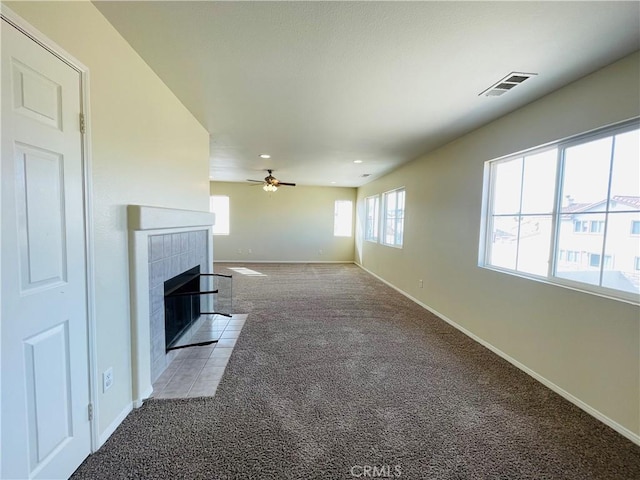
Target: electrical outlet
(420,283)
(107,379)
(249,251)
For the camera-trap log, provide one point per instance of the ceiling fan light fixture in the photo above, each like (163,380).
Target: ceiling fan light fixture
(265,155)
(271,183)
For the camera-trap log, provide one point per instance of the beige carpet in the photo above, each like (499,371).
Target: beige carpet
(336,375)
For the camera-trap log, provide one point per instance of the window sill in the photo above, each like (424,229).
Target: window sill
(398,247)
(575,286)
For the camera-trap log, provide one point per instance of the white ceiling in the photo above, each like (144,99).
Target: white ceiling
(320,84)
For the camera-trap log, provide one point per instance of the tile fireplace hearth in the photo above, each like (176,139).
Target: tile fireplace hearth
(196,371)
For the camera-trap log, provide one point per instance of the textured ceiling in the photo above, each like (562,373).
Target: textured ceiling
(320,84)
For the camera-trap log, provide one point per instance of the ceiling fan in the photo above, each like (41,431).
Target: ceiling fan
(271,183)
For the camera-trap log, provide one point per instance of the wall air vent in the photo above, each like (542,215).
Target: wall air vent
(505,84)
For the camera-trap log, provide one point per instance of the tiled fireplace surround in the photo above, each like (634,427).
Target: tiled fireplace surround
(162,243)
(169,255)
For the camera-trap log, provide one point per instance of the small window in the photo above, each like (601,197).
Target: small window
(594,260)
(580,226)
(219,205)
(372,218)
(635,227)
(636,264)
(608,262)
(597,226)
(393,218)
(343,218)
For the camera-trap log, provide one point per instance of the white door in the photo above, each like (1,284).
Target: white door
(44,348)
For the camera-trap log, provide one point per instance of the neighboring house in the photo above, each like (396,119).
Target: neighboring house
(582,249)
(582,246)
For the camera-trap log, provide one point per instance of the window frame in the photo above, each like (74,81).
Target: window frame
(375,238)
(383,222)
(551,277)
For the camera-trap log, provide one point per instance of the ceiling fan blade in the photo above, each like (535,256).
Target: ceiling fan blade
(287,184)
(259,181)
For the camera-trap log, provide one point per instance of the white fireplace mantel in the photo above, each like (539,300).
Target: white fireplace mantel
(141,217)
(145,222)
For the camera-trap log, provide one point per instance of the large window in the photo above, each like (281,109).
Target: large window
(393,217)
(220,206)
(343,218)
(569,213)
(372,218)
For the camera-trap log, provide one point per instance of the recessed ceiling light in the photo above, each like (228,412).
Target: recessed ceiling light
(357,161)
(333,183)
(265,155)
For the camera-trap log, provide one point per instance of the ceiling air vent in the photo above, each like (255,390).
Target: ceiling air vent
(505,84)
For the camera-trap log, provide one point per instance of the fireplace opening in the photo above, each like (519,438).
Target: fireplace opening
(181,307)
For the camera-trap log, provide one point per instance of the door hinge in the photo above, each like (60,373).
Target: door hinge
(82,124)
(90,410)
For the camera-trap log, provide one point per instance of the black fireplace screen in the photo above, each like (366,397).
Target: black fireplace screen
(190,296)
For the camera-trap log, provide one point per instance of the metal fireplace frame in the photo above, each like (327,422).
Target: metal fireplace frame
(174,293)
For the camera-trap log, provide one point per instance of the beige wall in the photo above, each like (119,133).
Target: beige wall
(587,345)
(146,149)
(291,225)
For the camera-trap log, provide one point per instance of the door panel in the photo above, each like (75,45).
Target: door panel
(41,224)
(48,392)
(36,96)
(45,430)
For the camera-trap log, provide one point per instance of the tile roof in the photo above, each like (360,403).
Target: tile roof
(575,207)
(627,200)
(630,201)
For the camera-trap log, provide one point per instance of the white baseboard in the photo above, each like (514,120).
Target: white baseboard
(625,432)
(285,261)
(104,436)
